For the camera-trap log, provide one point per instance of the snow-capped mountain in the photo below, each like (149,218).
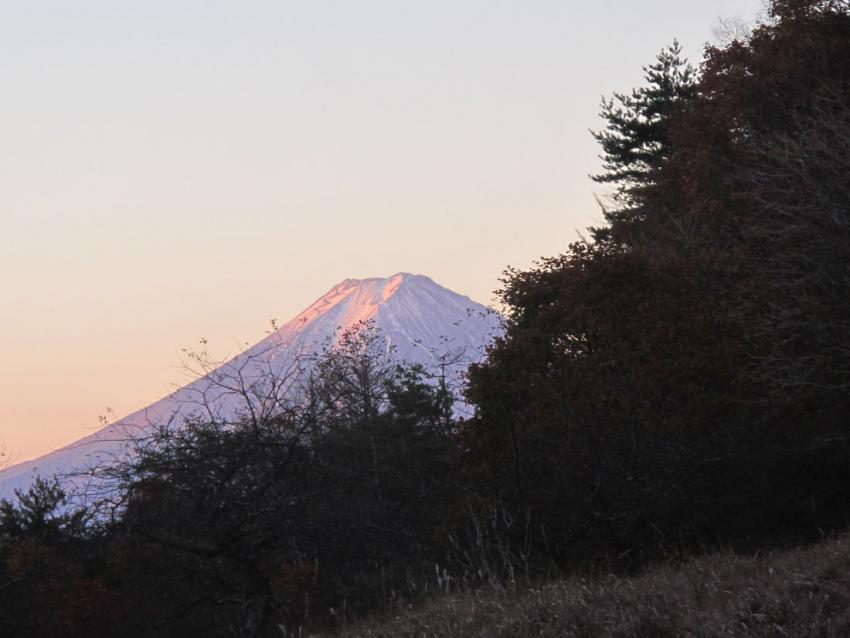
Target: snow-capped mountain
(417,319)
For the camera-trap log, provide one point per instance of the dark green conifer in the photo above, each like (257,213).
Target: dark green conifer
(635,141)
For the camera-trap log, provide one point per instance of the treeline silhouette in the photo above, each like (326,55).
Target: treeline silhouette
(684,379)
(676,383)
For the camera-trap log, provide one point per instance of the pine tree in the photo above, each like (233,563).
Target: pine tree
(635,141)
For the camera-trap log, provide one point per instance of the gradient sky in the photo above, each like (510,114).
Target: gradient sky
(173,170)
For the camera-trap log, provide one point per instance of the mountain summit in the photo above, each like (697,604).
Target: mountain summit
(420,322)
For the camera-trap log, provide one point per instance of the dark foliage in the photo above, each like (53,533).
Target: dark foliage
(636,142)
(680,383)
(339,502)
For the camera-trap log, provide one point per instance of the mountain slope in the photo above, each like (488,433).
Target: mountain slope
(421,321)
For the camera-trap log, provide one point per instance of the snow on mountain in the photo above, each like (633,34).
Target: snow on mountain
(420,320)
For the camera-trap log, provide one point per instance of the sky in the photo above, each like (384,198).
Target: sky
(181,170)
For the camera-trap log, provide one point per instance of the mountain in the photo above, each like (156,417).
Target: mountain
(418,320)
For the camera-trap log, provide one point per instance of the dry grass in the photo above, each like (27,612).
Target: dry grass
(803,592)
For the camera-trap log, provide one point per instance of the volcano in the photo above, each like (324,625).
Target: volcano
(417,321)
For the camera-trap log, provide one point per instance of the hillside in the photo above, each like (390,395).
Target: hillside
(804,592)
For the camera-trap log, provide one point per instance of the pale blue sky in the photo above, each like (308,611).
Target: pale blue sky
(179,169)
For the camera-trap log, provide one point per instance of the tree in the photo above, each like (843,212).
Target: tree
(636,141)
(611,383)
(650,385)
(338,498)
(47,560)
(801,9)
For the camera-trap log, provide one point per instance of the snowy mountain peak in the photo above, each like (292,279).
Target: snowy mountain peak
(421,321)
(364,296)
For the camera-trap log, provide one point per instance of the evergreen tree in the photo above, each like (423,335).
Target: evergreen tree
(636,140)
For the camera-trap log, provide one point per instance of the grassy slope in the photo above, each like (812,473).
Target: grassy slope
(804,592)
